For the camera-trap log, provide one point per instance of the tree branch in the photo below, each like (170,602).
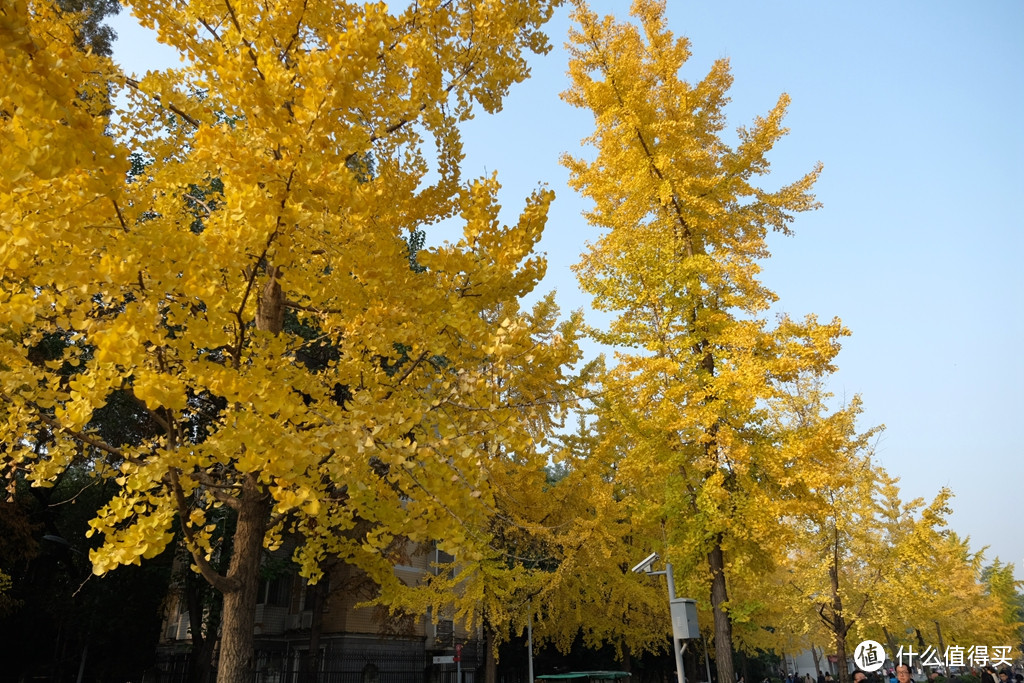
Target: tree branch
(120,218)
(215,579)
(100,444)
(238,27)
(131,82)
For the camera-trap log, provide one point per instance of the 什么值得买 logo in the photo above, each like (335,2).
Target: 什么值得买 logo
(871,656)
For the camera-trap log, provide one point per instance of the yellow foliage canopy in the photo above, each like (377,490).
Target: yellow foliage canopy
(682,224)
(226,250)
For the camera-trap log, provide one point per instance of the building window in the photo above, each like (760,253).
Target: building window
(275,591)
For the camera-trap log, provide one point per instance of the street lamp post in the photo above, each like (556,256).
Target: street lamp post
(682,611)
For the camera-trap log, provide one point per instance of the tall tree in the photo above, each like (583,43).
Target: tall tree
(1007,603)
(592,596)
(958,600)
(837,560)
(528,524)
(683,225)
(167,241)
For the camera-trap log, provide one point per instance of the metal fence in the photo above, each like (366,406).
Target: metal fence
(329,676)
(339,663)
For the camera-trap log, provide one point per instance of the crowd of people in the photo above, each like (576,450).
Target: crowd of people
(902,673)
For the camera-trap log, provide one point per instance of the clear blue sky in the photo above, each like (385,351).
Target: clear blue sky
(916,109)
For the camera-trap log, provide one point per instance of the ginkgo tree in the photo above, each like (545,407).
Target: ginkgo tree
(681,226)
(226,245)
(930,588)
(831,569)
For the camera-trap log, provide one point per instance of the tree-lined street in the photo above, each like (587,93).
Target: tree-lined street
(229,342)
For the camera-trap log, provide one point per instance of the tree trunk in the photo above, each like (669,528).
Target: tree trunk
(195,622)
(236,663)
(490,665)
(723,625)
(844,672)
(942,648)
(310,665)
(840,625)
(890,641)
(200,661)
(270,305)
(627,658)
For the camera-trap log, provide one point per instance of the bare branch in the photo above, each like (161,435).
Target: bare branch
(211,30)
(295,34)
(131,82)
(120,218)
(238,27)
(200,202)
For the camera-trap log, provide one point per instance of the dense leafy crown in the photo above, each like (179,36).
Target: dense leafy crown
(683,225)
(226,247)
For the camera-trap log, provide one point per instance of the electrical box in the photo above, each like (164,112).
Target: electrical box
(684,618)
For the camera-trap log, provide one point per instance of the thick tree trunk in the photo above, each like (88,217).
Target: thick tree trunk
(236,663)
(844,673)
(310,666)
(723,625)
(490,664)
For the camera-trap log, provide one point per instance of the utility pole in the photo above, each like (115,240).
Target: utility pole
(683,612)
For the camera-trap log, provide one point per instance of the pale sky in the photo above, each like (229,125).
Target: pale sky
(916,110)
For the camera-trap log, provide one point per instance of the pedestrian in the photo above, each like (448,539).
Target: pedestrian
(859,676)
(903,673)
(988,674)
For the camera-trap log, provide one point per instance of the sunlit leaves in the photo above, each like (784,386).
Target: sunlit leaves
(688,404)
(222,248)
